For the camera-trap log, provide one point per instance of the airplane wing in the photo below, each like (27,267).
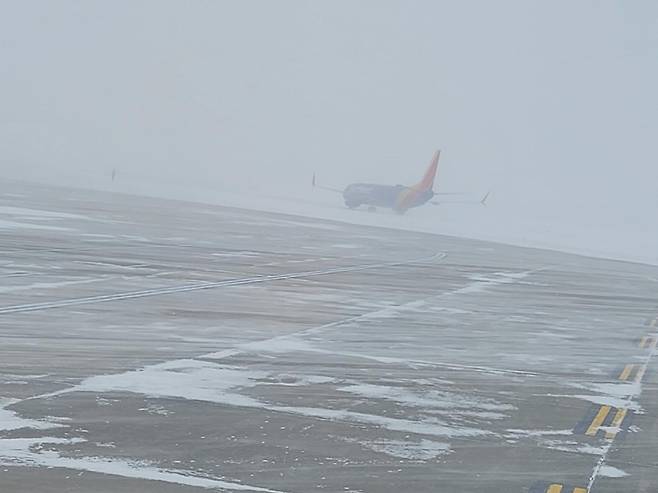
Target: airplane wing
(482,201)
(321,187)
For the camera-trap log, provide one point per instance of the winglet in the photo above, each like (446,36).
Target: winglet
(313,182)
(484,199)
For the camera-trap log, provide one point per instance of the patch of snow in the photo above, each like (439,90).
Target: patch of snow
(47,285)
(616,402)
(238,254)
(30,452)
(538,433)
(611,472)
(4,224)
(211,382)
(421,427)
(417,451)
(567,446)
(430,399)
(301,380)
(187,379)
(13,376)
(99,236)
(154,409)
(37,213)
(9,420)
(617,389)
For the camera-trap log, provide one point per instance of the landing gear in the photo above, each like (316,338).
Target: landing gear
(352,205)
(372,208)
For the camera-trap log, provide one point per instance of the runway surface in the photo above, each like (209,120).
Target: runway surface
(160,346)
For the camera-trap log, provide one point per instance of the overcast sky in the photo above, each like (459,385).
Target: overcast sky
(553,104)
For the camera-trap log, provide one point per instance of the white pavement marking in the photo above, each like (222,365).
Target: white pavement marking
(207,285)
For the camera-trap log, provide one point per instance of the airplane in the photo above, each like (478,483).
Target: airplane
(400,198)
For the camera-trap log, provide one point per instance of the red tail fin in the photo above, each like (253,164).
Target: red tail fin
(428,179)
(409,195)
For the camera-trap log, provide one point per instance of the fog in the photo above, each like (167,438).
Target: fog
(552,105)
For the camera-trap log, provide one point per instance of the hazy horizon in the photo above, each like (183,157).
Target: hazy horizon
(551,105)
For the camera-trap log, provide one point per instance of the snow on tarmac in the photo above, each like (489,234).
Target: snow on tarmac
(432,399)
(5,224)
(10,421)
(48,285)
(211,382)
(423,450)
(37,452)
(612,472)
(37,213)
(33,452)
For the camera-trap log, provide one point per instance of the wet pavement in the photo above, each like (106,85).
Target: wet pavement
(152,345)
